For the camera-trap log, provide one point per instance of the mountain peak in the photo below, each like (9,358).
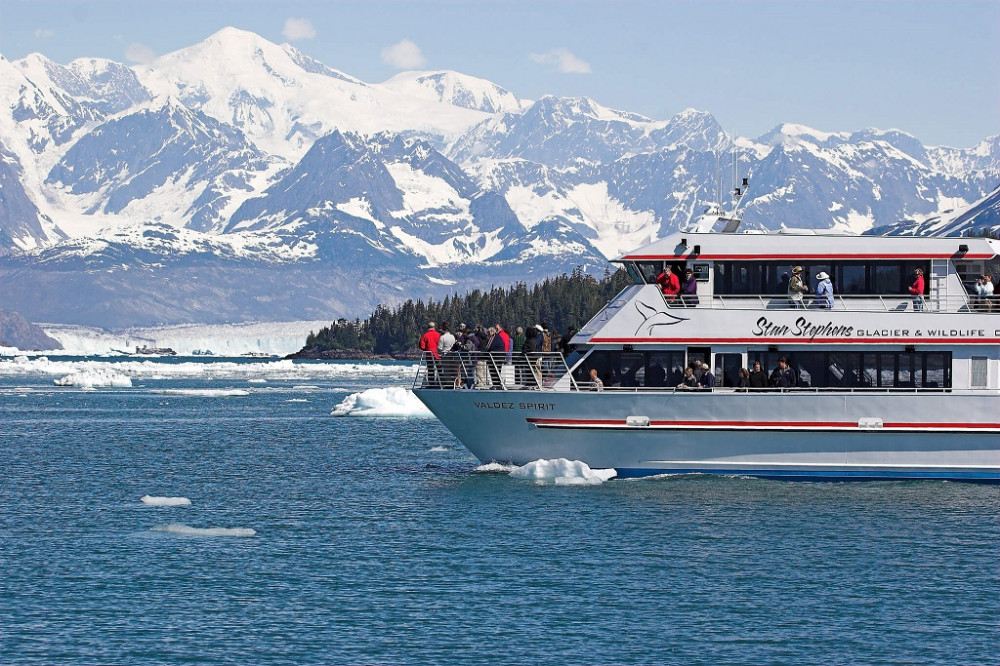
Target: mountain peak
(458,89)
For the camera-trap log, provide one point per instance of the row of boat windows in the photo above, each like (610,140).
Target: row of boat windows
(769,277)
(813,369)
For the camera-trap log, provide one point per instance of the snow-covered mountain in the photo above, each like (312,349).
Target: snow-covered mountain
(283,100)
(461,90)
(239,180)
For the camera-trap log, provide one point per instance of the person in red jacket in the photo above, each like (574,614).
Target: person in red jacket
(917,289)
(669,283)
(429,346)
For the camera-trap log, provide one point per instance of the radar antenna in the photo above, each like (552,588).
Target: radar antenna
(715,218)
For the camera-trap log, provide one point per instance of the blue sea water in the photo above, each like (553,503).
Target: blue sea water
(377,542)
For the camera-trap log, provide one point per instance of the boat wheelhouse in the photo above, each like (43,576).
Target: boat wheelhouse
(886,384)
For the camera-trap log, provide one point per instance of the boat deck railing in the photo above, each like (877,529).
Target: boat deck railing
(958,303)
(547,371)
(544,371)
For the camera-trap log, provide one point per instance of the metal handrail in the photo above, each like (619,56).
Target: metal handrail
(472,370)
(547,371)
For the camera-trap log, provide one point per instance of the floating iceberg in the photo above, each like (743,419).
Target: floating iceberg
(152,500)
(563,472)
(393,402)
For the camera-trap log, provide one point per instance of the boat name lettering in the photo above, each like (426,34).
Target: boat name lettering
(543,406)
(802,328)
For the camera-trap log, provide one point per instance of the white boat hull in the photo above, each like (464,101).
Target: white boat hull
(833,435)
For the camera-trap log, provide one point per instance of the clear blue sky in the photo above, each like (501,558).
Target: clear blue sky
(928,68)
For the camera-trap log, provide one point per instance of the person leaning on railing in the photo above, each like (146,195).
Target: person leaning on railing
(529,349)
(917,289)
(984,292)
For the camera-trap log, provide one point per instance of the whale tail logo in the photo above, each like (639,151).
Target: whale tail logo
(654,316)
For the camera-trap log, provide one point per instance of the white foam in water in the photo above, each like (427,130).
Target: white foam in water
(204,393)
(563,472)
(152,500)
(296,400)
(393,402)
(495,468)
(438,449)
(94,378)
(177,528)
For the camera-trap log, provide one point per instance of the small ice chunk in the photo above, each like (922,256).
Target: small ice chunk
(563,472)
(495,468)
(152,500)
(205,393)
(177,528)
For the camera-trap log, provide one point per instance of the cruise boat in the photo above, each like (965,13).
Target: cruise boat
(885,385)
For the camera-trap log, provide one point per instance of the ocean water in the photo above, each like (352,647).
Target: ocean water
(315,539)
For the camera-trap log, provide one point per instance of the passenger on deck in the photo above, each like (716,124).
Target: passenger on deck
(689,289)
(984,292)
(758,378)
(508,344)
(743,380)
(689,382)
(529,350)
(428,344)
(796,287)
(565,348)
(707,379)
(449,367)
(824,291)
(917,289)
(783,376)
(656,376)
(595,382)
(669,284)
(468,346)
(518,339)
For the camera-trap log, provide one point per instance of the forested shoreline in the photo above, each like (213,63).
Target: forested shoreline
(563,301)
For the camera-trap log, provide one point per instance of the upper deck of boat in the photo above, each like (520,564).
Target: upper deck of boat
(795,245)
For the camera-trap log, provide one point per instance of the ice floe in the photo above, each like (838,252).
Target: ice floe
(177,528)
(204,393)
(284,369)
(563,472)
(392,402)
(153,500)
(94,378)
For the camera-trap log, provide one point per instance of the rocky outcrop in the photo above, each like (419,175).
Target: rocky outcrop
(16,331)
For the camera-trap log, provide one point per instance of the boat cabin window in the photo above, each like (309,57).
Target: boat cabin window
(645,272)
(634,369)
(860,278)
(852,369)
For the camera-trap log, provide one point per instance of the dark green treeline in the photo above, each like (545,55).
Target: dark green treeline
(564,301)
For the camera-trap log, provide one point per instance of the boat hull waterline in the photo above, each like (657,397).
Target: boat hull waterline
(833,436)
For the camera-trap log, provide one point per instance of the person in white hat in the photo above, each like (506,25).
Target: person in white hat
(824,291)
